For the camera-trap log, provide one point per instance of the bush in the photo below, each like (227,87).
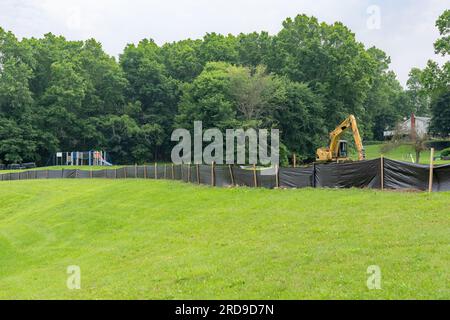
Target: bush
(438,144)
(445,152)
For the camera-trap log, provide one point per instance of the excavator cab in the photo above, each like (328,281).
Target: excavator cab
(343,149)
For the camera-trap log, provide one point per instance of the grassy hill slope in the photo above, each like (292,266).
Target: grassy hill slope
(138,239)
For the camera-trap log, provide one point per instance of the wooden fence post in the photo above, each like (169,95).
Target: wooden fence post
(135,170)
(277,177)
(173,172)
(198,173)
(156,170)
(90,173)
(115,173)
(255,180)
(430,184)
(213,174)
(295,161)
(314,176)
(125,172)
(145,171)
(165,172)
(231,175)
(382,172)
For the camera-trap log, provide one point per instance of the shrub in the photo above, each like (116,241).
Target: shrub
(438,144)
(445,152)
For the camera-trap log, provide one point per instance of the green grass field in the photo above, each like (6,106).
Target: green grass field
(144,239)
(402,153)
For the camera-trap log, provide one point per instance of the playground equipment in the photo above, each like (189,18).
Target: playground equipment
(81,158)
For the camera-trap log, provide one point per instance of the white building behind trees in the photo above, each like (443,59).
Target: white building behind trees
(419,125)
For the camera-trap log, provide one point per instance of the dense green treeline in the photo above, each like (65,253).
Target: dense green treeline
(57,94)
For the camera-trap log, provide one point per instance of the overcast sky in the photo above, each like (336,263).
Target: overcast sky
(405,29)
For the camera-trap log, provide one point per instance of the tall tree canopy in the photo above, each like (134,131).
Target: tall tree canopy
(432,84)
(65,95)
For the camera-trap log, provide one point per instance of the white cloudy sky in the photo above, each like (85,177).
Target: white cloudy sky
(406,32)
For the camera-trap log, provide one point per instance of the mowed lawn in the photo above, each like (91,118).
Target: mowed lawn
(402,153)
(144,239)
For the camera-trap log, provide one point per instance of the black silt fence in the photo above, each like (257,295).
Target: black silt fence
(177,172)
(267,178)
(130,172)
(222,176)
(150,172)
(296,177)
(186,173)
(162,171)
(69,173)
(362,174)
(205,174)
(120,173)
(195,174)
(41,174)
(401,175)
(441,181)
(140,174)
(405,176)
(243,177)
(111,174)
(81,174)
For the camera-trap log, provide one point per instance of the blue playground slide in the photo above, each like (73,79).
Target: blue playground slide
(106,163)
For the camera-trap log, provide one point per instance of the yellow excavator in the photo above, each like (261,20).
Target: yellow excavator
(338,149)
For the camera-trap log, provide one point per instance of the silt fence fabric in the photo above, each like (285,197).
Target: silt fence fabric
(205,174)
(222,176)
(361,174)
(243,176)
(296,177)
(441,181)
(400,175)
